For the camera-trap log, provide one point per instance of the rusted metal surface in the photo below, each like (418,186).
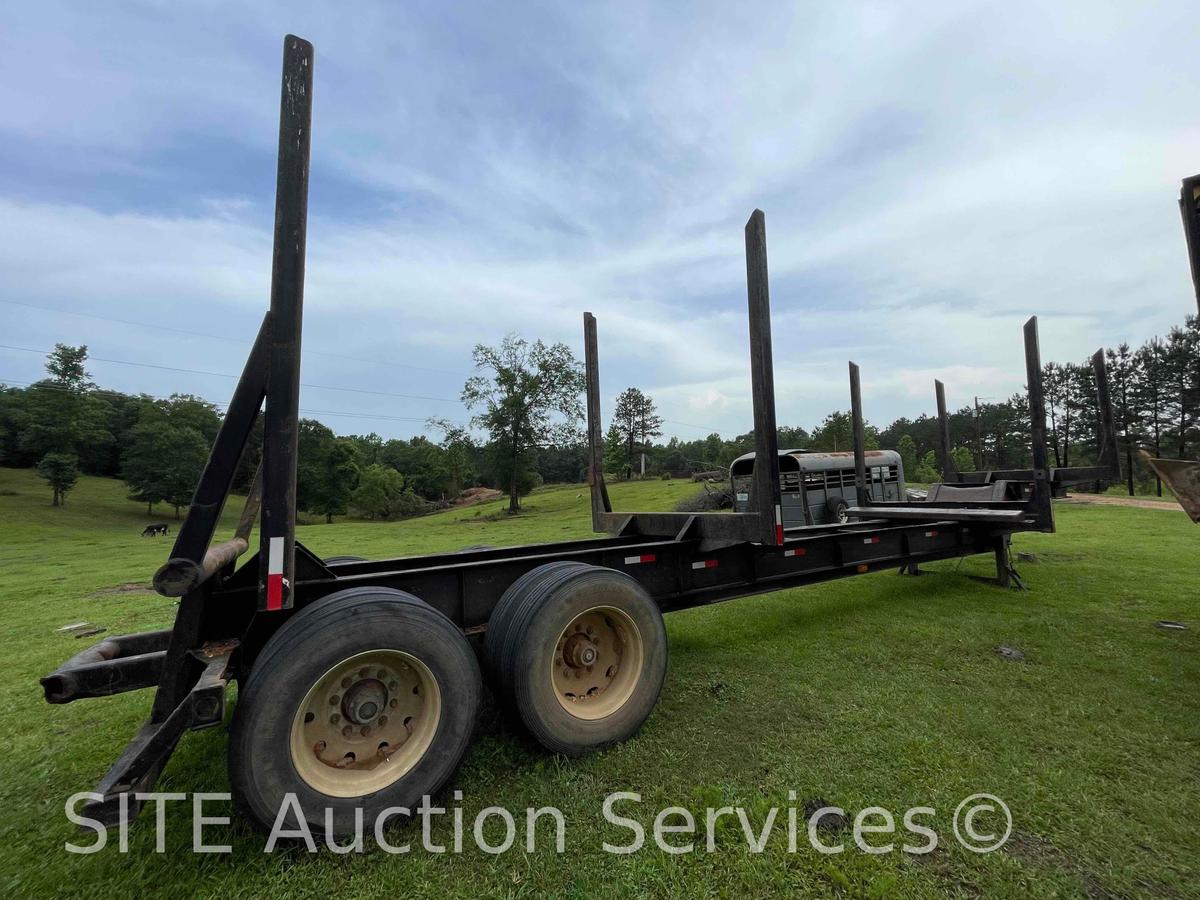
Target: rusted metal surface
(595,474)
(1106,429)
(112,666)
(765,488)
(250,510)
(856,420)
(139,766)
(1037,426)
(949,470)
(212,490)
(281,431)
(1189,208)
(1183,478)
(177,577)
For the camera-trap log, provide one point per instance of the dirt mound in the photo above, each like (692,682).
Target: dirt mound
(474,495)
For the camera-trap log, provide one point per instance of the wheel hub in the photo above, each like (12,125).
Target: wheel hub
(365,722)
(364,701)
(580,651)
(597,662)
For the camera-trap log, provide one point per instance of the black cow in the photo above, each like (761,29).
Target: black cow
(152,530)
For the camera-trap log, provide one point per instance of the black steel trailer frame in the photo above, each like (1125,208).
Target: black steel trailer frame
(227,614)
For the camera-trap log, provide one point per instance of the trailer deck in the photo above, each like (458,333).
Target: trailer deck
(249,622)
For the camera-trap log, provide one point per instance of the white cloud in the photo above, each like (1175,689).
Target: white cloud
(931,175)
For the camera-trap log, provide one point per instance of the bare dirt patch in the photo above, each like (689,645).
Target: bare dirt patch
(472,496)
(1106,500)
(130,587)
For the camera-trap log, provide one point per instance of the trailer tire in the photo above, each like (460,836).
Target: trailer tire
(837,507)
(285,736)
(580,653)
(338,560)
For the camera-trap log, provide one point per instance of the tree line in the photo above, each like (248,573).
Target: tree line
(525,405)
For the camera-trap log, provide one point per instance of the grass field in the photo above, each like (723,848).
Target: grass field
(877,690)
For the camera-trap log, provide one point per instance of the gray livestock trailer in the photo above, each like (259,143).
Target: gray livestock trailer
(818,488)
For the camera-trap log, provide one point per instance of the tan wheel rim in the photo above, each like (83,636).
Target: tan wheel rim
(365,723)
(597,662)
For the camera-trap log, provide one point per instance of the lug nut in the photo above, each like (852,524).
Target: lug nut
(335,700)
(334,719)
(347,731)
(382,721)
(393,703)
(366,729)
(346,682)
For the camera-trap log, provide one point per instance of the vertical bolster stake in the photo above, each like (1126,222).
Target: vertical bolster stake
(1110,455)
(1037,428)
(1189,207)
(591,366)
(860,441)
(765,491)
(281,426)
(949,470)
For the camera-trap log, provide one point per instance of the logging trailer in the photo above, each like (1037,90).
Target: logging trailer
(360,681)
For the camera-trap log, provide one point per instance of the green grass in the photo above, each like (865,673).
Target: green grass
(877,690)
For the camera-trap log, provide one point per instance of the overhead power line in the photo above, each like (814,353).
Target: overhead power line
(325,387)
(42,385)
(225,338)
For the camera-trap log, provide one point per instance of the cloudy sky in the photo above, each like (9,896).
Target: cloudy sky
(931,174)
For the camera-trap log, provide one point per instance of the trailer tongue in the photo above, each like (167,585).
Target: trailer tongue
(359,681)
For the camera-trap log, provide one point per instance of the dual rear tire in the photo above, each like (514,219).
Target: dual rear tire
(367,699)
(579,653)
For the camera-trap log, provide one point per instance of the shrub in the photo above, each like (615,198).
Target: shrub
(709,499)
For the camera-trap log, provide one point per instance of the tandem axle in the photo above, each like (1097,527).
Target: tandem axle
(360,681)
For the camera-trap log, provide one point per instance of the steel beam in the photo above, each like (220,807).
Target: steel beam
(212,490)
(765,490)
(281,432)
(949,470)
(1106,430)
(860,441)
(599,490)
(1189,208)
(1037,427)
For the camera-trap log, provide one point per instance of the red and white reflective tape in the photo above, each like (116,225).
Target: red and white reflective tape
(778,525)
(705,564)
(931,534)
(275,574)
(871,540)
(644,558)
(798,551)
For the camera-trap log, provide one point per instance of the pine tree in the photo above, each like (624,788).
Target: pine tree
(615,460)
